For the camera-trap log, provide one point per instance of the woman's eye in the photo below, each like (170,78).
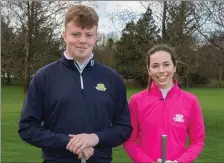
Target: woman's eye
(154,66)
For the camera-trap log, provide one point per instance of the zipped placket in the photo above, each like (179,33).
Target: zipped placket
(163,117)
(80,75)
(164,114)
(80,72)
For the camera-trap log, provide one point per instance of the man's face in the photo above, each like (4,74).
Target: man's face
(79,42)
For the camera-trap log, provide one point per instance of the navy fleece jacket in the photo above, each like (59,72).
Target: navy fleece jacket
(62,100)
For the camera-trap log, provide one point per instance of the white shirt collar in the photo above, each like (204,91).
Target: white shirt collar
(67,57)
(81,66)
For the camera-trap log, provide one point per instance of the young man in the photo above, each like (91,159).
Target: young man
(76,106)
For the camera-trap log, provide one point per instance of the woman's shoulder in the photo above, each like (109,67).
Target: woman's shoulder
(188,95)
(139,94)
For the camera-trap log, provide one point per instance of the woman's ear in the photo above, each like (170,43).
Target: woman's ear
(175,69)
(148,71)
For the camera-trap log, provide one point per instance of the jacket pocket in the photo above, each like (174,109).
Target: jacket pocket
(179,132)
(179,125)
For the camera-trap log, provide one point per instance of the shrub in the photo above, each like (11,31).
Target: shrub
(216,83)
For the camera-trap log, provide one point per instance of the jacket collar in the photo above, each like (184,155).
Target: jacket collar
(70,63)
(155,90)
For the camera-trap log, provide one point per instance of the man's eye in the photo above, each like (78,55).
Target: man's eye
(75,34)
(166,64)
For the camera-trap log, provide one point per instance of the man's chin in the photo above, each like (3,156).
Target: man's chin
(81,56)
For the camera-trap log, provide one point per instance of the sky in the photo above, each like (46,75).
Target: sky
(108,10)
(113,15)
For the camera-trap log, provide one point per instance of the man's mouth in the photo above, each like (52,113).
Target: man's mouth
(81,47)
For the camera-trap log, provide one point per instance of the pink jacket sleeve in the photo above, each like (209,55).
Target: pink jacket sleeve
(130,146)
(196,133)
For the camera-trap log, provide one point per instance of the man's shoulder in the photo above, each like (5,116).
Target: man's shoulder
(45,69)
(108,70)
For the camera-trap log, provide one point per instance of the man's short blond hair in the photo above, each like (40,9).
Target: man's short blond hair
(83,16)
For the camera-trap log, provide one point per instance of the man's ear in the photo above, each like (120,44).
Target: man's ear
(64,35)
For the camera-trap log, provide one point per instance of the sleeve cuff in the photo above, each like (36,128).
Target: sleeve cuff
(101,138)
(64,140)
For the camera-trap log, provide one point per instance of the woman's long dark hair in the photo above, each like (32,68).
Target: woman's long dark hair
(157,48)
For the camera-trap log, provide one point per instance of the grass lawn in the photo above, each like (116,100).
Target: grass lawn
(14,150)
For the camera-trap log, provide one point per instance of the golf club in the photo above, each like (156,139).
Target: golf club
(83,160)
(164,138)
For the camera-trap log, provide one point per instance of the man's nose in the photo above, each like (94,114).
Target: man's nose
(82,39)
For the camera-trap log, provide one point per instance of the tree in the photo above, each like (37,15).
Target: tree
(181,35)
(137,38)
(35,23)
(104,49)
(10,62)
(214,56)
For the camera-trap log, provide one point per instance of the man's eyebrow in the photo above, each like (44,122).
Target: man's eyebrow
(75,32)
(166,62)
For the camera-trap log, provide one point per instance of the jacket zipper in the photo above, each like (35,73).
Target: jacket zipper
(80,74)
(163,117)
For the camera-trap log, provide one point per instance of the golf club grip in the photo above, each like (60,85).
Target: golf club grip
(83,160)
(164,138)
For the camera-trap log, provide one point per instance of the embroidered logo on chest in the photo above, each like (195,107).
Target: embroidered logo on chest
(101,87)
(178,118)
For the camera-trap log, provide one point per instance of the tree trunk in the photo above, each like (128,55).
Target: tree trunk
(25,83)
(164,21)
(221,74)
(30,14)
(8,80)
(187,84)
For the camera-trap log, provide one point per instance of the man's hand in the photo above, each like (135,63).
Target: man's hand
(87,152)
(81,141)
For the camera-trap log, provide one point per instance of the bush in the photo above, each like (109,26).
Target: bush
(199,79)
(216,83)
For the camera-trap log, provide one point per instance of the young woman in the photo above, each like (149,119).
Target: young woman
(164,109)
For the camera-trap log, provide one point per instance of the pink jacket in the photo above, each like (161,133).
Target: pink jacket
(178,116)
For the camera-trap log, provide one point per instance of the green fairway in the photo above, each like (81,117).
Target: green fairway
(14,150)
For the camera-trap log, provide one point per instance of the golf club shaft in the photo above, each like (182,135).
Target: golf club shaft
(83,160)
(164,138)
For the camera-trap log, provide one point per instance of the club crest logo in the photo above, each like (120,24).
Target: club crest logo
(179,118)
(100,87)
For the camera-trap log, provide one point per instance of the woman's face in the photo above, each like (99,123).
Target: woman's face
(161,69)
